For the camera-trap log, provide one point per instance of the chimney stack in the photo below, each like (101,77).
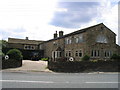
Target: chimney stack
(55,35)
(26,38)
(60,33)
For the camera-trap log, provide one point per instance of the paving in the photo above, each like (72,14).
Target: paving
(28,65)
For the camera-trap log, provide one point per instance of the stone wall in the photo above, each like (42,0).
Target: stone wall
(100,66)
(11,63)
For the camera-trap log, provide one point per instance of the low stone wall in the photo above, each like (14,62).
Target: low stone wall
(88,66)
(11,63)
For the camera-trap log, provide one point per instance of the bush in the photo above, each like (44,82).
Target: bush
(44,59)
(94,61)
(86,58)
(15,54)
(115,56)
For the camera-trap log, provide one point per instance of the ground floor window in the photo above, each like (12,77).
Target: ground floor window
(68,53)
(107,53)
(56,54)
(95,53)
(78,53)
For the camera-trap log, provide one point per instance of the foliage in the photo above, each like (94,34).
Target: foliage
(15,54)
(1,53)
(44,59)
(115,56)
(86,58)
(3,44)
(94,61)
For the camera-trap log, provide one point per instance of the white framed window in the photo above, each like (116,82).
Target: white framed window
(101,39)
(29,47)
(95,53)
(56,54)
(68,41)
(68,53)
(107,53)
(79,38)
(78,53)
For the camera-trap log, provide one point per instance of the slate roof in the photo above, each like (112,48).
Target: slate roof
(23,41)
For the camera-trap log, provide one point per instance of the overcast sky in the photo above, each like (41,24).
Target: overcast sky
(39,19)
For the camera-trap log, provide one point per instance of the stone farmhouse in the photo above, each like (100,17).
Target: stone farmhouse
(97,41)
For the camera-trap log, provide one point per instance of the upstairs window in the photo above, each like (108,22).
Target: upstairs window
(101,39)
(79,39)
(68,41)
(29,47)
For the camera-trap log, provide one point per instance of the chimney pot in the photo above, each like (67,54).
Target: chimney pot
(27,38)
(55,35)
(60,33)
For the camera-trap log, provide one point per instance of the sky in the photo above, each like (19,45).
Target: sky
(39,19)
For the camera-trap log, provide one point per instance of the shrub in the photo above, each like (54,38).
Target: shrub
(94,61)
(115,56)
(86,58)
(15,54)
(44,59)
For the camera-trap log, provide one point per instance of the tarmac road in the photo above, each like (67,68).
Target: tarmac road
(58,80)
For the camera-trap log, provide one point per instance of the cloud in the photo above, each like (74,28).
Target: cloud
(18,32)
(73,14)
(39,19)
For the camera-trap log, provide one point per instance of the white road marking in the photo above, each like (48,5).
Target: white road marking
(22,81)
(102,82)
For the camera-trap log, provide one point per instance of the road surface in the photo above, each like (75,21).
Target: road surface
(58,80)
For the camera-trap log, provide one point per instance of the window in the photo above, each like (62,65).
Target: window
(29,47)
(107,53)
(78,53)
(68,53)
(56,54)
(79,39)
(25,47)
(40,47)
(101,39)
(68,41)
(95,53)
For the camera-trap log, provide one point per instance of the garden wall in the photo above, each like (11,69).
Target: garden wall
(84,66)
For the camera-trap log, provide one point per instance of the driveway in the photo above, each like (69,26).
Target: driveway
(29,65)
